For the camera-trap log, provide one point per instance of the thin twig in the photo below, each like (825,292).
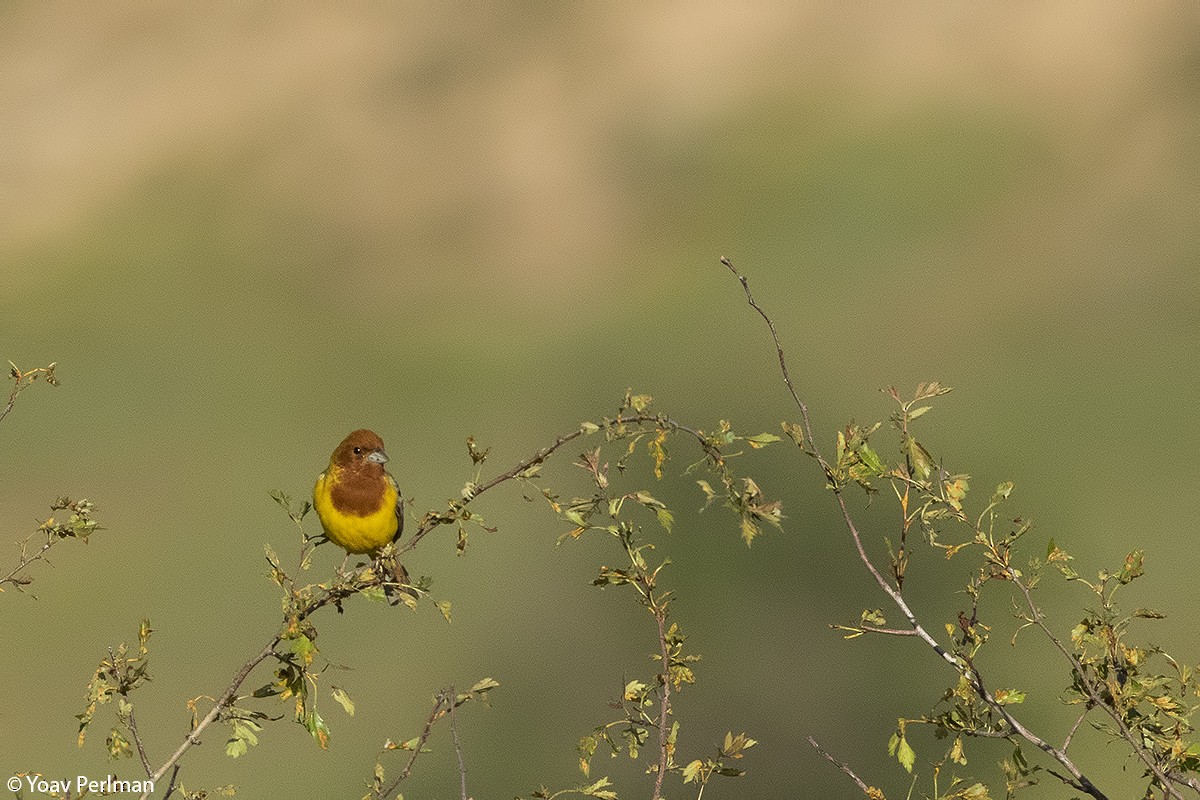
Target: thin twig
(26,560)
(433,717)
(888,631)
(24,380)
(462,766)
(226,698)
(171,783)
(1077,780)
(137,740)
(1071,733)
(664,708)
(843,767)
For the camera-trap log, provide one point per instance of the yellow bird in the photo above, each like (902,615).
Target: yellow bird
(358,502)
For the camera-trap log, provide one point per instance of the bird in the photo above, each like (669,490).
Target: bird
(359,503)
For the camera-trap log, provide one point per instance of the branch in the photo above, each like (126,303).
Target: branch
(24,380)
(664,708)
(434,715)
(431,521)
(137,740)
(1078,780)
(462,766)
(13,577)
(867,790)
(1094,694)
(79,525)
(226,698)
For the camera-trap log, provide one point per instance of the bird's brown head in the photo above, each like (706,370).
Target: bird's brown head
(361,451)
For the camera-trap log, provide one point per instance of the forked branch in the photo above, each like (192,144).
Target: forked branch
(1076,779)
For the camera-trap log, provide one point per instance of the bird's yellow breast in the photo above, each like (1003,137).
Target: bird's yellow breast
(355,533)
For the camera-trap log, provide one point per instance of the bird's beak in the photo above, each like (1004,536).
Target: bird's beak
(379,457)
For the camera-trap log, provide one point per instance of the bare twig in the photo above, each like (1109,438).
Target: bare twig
(1077,779)
(434,715)
(227,697)
(462,765)
(137,740)
(14,577)
(1071,733)
(25,379)
(889,631)
(171,783)
(843,767)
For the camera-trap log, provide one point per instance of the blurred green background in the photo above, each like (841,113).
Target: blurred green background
(243,230)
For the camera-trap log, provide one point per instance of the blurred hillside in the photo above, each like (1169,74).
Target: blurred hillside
(244,231)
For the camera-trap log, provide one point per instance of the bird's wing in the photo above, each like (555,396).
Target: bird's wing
(399,510)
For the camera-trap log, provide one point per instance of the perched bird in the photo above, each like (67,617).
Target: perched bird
(358,502)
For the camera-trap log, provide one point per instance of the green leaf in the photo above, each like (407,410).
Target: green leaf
(1007,697)
(589,428)
(749,530)
(484,685)
(870,458)
(920,458)
(762,440)
(905,755)
(1133,567)
(795,432)
(638,402)
(343,699)
(665,518)
(598,789)
(317,727)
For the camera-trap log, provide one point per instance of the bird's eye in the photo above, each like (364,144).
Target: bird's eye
(358,451)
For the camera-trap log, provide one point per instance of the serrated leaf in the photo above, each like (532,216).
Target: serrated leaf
(749,530)
(640,402)
(905,755)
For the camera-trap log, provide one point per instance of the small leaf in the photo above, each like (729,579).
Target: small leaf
(444,607)
(749,530)
(762,440)
(1133,567)
(905,755)
(343,699)
(484,685)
